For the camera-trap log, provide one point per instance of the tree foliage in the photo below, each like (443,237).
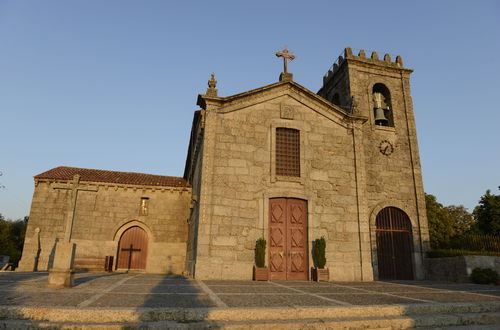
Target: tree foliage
(12,238)
(438,223)
(487,214)
(446,222)
(461,219)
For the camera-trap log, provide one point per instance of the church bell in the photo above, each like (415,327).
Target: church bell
(380,117)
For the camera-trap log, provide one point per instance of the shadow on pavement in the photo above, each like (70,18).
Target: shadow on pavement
(151,295)
(81,278)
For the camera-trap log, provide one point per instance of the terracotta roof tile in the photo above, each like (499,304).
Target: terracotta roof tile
(67,173)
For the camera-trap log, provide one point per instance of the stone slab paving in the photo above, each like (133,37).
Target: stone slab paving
(114,290)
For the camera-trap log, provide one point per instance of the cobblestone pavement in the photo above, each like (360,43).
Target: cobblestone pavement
(103,290)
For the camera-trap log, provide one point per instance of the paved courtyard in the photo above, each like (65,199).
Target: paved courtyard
(140,290)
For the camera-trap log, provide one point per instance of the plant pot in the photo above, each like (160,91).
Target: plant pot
(320,274)
(260,274)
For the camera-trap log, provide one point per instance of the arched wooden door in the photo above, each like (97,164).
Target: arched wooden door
(133,249)
(288,257)
(394,245)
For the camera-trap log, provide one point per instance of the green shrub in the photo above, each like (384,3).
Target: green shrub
(319,256)
(484,276)
(260,252)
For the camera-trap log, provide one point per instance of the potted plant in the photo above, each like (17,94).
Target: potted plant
(260,272)
(319,272)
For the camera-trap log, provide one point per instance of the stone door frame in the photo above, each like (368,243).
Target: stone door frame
(124,227)
(137,256)
(394,244)
(417,262)
(276,192)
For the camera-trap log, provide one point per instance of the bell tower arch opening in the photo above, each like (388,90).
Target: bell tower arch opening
(382,107)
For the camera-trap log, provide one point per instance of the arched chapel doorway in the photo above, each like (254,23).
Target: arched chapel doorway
(394,245)
(133,249)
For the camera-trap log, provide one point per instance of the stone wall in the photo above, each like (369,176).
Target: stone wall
(458,269)
(101,217)
(192,243)
(239,178)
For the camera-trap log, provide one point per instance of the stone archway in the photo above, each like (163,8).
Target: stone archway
(394,244)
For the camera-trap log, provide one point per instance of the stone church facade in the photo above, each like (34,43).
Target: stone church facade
(278,162)
(108,205)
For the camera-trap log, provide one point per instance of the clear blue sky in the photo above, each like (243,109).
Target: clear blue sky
(113,84)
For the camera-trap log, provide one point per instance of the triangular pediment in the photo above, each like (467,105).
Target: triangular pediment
(277,90)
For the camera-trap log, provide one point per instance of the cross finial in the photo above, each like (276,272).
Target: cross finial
(211,90)
(285,53)
(212,82)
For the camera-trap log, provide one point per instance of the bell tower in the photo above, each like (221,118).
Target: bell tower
(379,89)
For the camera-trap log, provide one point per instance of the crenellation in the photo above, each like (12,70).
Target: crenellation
(374,59)
(348,52)
(399,61)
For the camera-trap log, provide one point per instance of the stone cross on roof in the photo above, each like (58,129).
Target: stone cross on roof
(285,53)
(212,83)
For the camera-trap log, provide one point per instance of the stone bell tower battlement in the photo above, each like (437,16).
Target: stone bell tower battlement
(337,81)
(373,59)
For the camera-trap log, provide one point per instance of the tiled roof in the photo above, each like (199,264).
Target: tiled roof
(67,173)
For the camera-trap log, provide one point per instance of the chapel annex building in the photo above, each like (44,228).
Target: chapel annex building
(279,162)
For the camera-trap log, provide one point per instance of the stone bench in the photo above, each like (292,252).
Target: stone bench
(89,263)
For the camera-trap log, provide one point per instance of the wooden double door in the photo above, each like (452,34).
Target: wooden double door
(288,255)
(133,249)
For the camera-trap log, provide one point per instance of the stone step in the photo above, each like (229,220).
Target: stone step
(109,315)
(466,327)
(485,321)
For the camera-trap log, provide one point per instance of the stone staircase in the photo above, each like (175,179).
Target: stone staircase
(483,315)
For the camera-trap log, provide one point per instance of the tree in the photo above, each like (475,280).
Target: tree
(439,223)
(461,219)
(12,237)
(487,214)
(446,222)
